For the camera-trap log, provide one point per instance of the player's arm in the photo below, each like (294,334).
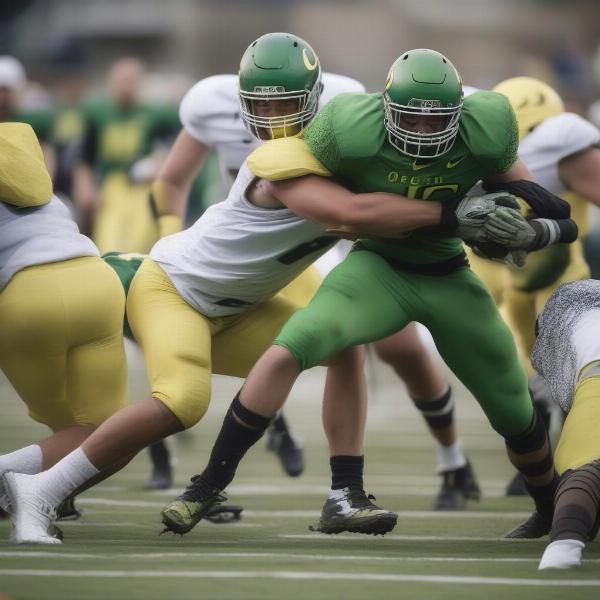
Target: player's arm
(517,171)
(324,201)
(581,173)
(172,186)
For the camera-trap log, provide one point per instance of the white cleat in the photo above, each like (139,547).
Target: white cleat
(32,513)
(562,554)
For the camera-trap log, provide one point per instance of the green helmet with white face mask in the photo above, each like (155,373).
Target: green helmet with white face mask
(280,85)
(423,99)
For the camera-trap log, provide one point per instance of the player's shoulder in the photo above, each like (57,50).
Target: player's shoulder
(567,132)
(354,121)
(334,84)
(208,96)
(488,127)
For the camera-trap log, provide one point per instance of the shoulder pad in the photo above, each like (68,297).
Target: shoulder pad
(285,158)
(210,97)
(24,179)
(488,127)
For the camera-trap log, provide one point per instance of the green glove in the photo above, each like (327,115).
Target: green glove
(509,229)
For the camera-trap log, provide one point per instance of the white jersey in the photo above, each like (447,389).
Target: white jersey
(550,142)
(238,254)
(210,112)
(38,235)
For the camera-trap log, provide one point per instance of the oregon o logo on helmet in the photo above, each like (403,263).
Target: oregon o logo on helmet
(310,66)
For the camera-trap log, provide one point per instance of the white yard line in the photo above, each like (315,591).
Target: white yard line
(403,538)
(264,555)
(304,575)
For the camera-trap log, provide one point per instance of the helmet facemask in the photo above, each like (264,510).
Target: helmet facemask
(440,125)
(286,114)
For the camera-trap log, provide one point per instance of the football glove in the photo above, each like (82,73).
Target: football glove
(510,230)
(465,217)
(493,251)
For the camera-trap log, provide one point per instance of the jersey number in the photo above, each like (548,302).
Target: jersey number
(302,250)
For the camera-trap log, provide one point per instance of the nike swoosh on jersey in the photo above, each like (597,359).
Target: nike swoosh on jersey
(417,167)
(451,165)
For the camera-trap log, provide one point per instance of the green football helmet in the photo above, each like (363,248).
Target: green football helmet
(423,99)
(280,85)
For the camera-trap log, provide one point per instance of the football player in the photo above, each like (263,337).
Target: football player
(61,313)
(567,355)
(207,302)
(219,113)
(418,141)
(560,149)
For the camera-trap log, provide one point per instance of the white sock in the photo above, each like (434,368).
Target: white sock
(562,554)
(61,480)
(27,460)
(450,457)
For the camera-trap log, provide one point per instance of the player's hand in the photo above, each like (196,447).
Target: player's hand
(509,229)
(493,251)
(466,217)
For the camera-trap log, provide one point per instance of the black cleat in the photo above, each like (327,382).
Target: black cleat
(286,445)
(352,510)
(182,515)
(516,486)
(536,526)
(224,513)
(67,511)
(458,486)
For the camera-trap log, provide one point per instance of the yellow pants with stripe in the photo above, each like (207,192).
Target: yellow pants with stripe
(125,222)
(61,341)
(183,347)
(579,441)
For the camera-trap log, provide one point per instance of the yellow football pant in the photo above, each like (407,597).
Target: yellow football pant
(493,274)
(61,341)
(579,441)
(125,222)
(183,347)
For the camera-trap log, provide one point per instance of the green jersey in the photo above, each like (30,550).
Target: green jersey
(125,266)
(348,136)
(115,136)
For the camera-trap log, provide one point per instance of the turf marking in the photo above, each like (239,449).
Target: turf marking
(304,575)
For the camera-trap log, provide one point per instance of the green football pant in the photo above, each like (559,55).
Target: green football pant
(365,299)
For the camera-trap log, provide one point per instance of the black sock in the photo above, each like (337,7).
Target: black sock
(159,454)
(232,443)
(522,448)
(347,471)
(438,413)
(279,424)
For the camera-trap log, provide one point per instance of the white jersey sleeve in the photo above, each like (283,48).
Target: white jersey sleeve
(553,140)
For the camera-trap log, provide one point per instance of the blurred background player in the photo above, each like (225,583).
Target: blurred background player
(560,149)
(61,311)
(221,113)
(118,131)
(567,356)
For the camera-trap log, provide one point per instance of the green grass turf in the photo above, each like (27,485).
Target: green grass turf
(115,551)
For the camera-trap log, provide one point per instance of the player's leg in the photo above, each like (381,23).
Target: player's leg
(280,438)
(576,516)
(77,303)
(353,305)
(406,353)
(176,344)
(477,345)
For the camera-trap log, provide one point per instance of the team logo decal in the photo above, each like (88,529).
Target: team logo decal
(310,66)
(390,80)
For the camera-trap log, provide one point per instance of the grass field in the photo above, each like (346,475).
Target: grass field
(115,552)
